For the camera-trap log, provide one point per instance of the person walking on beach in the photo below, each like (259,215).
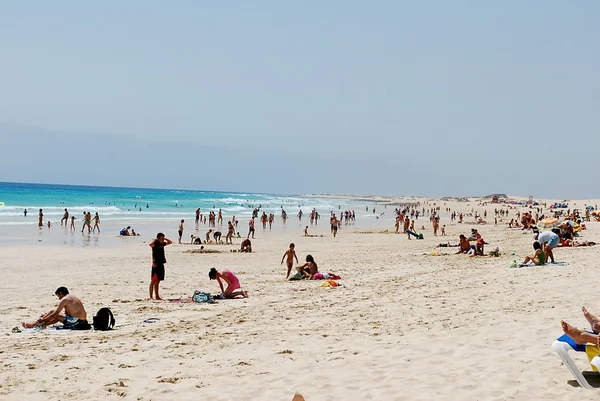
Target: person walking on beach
(197,215)
(158,264)
(41,219)
(73,223)
(290,254)
(96,220)
(180,231)
(251,228)
(65,218)
(87,222)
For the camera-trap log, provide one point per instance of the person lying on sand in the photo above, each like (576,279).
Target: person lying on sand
(232,281)
(571,243)
(75,316)
(538,258)
(447,245)
(580,336)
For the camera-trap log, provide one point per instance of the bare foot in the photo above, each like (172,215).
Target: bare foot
(159,299)
(28,325)
(592,320)
(573,332)
(245,294)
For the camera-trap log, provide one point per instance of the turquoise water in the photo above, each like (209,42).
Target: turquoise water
(129,206)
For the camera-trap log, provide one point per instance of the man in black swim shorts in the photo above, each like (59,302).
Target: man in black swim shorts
(217,236)
(158,263)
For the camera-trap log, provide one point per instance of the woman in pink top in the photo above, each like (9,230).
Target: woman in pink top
(232,281)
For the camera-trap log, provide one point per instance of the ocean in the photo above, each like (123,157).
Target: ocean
(152,208)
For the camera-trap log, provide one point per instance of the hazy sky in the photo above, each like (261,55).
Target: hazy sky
(411,97)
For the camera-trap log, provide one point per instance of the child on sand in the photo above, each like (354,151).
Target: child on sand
(306,231)
(538,258)
(232,281)
(291,254)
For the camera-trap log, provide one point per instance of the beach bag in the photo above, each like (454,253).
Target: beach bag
(104,320)
(202,297)
(296,276)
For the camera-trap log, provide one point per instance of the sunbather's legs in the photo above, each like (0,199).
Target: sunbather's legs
(527,260)
(579,336)
(592,320)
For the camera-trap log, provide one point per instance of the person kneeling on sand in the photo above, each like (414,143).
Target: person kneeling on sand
(232,281)
(538,258)
(580,336)
(246,246)
(75,316)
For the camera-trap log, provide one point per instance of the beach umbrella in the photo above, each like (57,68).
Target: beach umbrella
(547,223)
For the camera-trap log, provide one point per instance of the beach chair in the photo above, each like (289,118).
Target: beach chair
(564,344)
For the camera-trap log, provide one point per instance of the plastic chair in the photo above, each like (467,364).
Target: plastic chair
(564,344)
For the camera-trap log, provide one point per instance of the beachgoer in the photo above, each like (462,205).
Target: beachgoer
(229,236)
(195,240)
(75,316)
(232,281)
(125,231)
(538,258)
(41,219)
(49,224)
(479,244)
(207,239)
(87,222)
(465,245)
(306,231)
(549,241)
(25,213)
(246,246)
(180,231)
(65,218)
(72,223)
(96,220)
(217,237)
(444,230)
(309,269)
(251,228)
(290,254)
(158,263)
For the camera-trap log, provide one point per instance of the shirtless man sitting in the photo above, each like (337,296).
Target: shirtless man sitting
(74,318)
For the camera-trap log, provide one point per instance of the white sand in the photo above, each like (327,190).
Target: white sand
(405,326)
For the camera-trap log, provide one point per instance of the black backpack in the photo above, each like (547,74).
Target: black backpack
(104,320)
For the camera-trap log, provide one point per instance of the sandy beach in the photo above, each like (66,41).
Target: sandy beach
(404,325)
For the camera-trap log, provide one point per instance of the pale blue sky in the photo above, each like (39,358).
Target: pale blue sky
(425,91)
